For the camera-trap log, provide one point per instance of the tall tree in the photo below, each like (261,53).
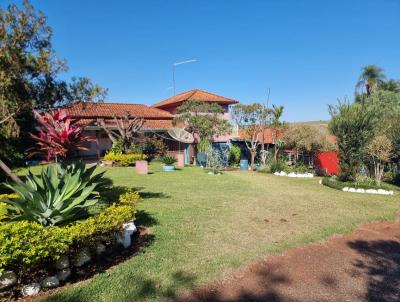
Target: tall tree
(353,126)
(29,67)
(203,120)
(249,119)
(371,78)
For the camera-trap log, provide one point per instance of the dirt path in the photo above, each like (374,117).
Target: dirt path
(364,266)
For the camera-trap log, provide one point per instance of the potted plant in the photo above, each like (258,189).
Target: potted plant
(168,162)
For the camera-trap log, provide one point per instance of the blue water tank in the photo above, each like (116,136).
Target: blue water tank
(244,164)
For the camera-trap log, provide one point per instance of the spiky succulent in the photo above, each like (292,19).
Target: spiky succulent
(59,195)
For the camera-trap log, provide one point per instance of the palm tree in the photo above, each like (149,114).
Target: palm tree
(277,112)
(371,78)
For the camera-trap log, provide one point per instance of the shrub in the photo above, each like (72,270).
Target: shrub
(23,244)
(234,156)
(277,166)
(26,244)
(334,183)
(153,147)
(123,160)
(300,167)
(129,198)
(168,160)
(3,206)
(101,226)
(365,180)
(60,195)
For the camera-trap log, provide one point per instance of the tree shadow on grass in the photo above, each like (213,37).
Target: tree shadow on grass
(267,280)
(381,262)
(110,194)
(145,219)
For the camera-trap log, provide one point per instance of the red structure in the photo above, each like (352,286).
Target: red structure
(327,162)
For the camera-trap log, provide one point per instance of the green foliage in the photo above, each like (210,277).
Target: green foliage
(277,166)
(371,78)
(204,145)
(335,183)
(214,161)
(123,160)
(168,160)
(100,227)
(353,126)
(234,156)
(61,194)
(153,147)
(130,197)
(23,244)
(309,138)
(117,147)
(299,167)
(202,119)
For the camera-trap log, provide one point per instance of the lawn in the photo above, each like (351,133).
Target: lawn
(205,226)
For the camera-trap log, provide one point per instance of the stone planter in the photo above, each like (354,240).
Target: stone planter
(141,167)
(168,168)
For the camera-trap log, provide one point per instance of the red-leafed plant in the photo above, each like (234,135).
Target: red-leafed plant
(58,137)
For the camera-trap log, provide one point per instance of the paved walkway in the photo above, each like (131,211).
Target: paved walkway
(363,266)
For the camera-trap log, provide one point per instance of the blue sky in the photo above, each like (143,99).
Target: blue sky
(309,53)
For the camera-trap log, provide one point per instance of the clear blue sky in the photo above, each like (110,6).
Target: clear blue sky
(309,53)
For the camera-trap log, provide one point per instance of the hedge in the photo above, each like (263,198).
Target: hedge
(123,160)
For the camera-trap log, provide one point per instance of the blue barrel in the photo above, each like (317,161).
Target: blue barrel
(244,164)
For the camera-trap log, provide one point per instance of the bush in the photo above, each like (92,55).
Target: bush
(234,156)
(334,183)
(25,244)
(60,195)
(299,167)
(3,206)
(123,160)
(277,166)
(362,180)
(153,147)
(100,227)
(129,198)
(168,160)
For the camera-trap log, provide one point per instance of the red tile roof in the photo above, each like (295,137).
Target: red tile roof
(148,124)
(109,110)
(194,95)
(271,135)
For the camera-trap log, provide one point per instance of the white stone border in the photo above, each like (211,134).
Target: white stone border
(294,174)
(368,191)
(362,191)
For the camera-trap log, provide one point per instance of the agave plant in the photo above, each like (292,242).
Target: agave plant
(61,194)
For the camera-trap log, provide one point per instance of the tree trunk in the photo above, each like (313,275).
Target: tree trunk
(253,156)
(9,173)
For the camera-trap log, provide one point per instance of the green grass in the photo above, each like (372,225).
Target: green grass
(205,226)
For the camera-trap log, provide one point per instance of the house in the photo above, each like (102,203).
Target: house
(157,121)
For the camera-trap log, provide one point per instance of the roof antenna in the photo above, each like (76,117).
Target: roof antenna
(173,70)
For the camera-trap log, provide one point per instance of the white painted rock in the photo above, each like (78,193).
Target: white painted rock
(391,192)
(360,191)
(310,175)
(82,258)
(320,182)
(30,289)
(276,173)
(7,279)
(125,236)
(62,262)
(50,282)
(383,192)
(292,174)
(100,248)
(346,189)
(282,173)
(63,274)
(352,190)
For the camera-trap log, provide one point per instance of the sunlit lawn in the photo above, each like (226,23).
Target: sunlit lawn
(204,226)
